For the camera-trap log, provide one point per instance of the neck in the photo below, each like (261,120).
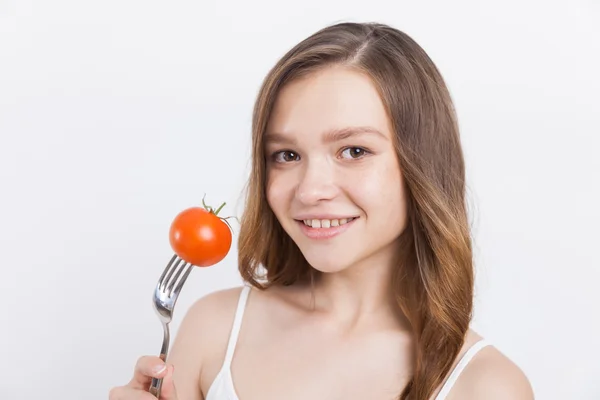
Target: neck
(361,295)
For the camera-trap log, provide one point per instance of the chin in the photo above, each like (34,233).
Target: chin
(327,264)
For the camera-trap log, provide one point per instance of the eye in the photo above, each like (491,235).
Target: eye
(354,152)
(285,156)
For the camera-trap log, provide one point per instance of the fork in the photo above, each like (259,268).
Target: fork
(165,296)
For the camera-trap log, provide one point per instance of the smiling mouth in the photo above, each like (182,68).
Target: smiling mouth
(327,223)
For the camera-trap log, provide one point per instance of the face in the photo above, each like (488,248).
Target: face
(333,177)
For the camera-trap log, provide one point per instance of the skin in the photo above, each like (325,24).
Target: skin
(349,341)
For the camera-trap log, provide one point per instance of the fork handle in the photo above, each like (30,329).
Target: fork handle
(157,382)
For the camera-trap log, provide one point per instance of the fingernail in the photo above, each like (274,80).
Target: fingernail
(159,368)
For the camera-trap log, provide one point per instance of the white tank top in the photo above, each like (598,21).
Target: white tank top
(223,388)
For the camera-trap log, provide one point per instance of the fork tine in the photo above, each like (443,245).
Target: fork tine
(167,269)
(173,280)
(177,289)
(172,269)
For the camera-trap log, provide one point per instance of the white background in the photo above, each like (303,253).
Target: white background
(117,114)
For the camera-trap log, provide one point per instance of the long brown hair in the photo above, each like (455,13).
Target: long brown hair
(434,280)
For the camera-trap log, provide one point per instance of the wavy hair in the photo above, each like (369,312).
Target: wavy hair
(434,280)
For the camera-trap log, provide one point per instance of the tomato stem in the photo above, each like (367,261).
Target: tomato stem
(219,209)
(210,209)
(224,219)
(228,224)
(207,208)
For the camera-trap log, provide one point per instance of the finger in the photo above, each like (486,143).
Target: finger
(168,391)
(129,393)
(146,368)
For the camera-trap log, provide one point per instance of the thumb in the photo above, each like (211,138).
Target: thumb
(168,391)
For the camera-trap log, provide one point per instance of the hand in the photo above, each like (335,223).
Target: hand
(147,367)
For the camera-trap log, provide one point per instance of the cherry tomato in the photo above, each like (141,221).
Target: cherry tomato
(200,237)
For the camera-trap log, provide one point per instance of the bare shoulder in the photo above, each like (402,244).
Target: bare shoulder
(491,375)
(215,303)
(201,341)
(209,318)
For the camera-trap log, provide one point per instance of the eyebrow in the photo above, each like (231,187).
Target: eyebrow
(331,136)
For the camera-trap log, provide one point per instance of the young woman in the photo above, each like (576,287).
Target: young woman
(355,243)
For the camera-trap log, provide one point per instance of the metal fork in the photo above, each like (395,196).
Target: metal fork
(165,296)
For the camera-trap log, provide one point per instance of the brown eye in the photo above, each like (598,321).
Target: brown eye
(285,156)
(353,153)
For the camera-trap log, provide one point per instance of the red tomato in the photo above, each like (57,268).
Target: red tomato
(200,237)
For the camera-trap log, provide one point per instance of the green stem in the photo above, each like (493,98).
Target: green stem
(219,209)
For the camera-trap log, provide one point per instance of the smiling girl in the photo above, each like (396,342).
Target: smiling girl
(355,243)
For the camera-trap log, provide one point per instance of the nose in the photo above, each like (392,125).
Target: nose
(317,183)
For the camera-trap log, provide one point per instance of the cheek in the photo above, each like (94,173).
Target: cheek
(270,191)
(377,185)
(277,191)
(379,192)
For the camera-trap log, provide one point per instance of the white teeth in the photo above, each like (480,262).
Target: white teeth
(326,223)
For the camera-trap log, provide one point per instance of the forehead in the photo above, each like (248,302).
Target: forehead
(330,99)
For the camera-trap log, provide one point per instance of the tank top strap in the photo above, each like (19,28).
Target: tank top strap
(462,364)
(237,324)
